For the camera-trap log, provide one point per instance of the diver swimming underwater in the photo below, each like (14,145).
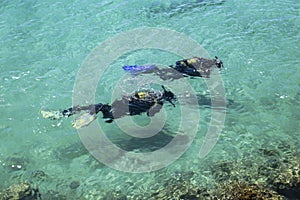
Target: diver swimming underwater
(145,101)
(197,66)
(194,67)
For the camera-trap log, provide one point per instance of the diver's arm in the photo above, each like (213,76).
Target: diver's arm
(154,109)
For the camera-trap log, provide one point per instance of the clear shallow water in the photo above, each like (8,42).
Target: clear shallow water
(43,45)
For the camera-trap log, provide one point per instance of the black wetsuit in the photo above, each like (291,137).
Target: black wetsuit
(140,102)
(195,66)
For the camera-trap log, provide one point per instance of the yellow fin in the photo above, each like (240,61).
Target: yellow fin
(51,114)
(83,120)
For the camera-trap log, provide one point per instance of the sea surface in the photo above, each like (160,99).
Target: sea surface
(44,44)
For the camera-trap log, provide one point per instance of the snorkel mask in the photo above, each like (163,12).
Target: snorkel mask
(168,96)
(218,62)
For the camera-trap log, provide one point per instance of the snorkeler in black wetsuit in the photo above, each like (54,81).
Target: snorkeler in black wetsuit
(195,67)
(149,102)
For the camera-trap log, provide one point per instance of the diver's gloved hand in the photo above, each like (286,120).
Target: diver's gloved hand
(84,120)
(51,114)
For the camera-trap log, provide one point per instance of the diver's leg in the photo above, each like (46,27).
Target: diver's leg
(169,74)
(154,109)
(93,109)
(88,117)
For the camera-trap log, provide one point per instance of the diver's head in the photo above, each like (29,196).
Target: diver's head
(218,62)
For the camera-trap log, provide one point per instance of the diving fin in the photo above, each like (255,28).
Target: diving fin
(83,120)
(51,114)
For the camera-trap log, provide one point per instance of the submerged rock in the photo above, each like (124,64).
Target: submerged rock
(269,177)
(179,186)
(38,175)
(287,180)
(276,170)
(74,185)
(20,191)
(237,190)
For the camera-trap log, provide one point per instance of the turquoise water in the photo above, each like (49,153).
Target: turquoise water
(44,43)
